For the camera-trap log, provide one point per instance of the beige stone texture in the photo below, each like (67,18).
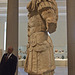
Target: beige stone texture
(43,16)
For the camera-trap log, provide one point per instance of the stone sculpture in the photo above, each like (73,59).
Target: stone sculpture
(43,16)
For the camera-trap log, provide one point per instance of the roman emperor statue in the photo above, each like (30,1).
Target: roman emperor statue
(43,16)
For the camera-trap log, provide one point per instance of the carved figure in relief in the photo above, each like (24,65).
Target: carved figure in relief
(43,16)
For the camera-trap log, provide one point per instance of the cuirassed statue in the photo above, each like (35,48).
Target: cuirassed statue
(43,16)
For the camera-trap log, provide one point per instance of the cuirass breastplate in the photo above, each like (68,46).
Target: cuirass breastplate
(36,30)
(35,24)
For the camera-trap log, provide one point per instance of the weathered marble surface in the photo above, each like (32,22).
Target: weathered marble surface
(43,16)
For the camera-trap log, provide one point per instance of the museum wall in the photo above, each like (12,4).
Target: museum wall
(23,31)
(1,35)
(3,18)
